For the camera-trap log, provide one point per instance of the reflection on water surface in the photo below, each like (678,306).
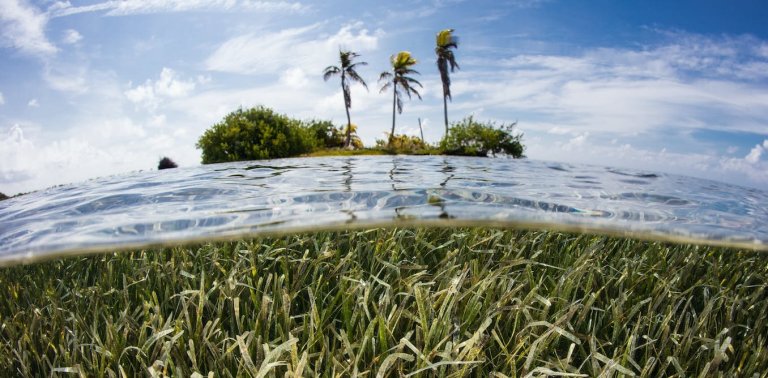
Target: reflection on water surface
(288,195)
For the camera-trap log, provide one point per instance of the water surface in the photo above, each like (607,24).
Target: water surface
(232,200)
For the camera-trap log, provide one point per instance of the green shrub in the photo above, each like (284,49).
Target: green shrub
(256,133)
(327,135)
(472,138)
(405,144)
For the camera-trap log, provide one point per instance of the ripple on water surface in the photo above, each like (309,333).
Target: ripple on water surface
(303,194)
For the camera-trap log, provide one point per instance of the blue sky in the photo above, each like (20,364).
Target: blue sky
(94,88)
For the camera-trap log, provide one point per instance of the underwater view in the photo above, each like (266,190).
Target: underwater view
(386,266)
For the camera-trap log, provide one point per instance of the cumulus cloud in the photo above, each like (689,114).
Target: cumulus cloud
(103,147)
(755,153)
(304,47)
(22,27)
(33,103)
(168,85)
(25,165)
(11,145)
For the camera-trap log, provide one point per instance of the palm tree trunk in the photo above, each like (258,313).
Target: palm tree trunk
(346,109)
(421,130)
(445,112)
(348,142)
(394,103)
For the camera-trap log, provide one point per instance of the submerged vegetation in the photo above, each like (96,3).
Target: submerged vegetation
(392,302)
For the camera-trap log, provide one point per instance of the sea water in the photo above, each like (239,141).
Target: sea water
(233,200)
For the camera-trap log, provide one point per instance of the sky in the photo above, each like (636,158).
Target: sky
(100,87)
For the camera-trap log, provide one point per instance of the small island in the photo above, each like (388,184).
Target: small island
(261,133)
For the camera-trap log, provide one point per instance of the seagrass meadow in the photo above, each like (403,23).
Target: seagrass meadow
(413,302)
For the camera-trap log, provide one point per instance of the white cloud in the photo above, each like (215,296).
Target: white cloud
(33,103)
(22,27)
(690,83)
(168,85)
(2,99)
(71,37)
(755,153)
(298,47)
(103,147)
(24,165)
(576,142)
(66,77)
(557,130)
(294,78)
(132,7)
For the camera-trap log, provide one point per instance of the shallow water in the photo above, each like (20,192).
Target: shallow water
(289,195)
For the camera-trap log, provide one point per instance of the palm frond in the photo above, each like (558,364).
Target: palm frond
(330,71)
(357,79)
(415,92)
(385,87)
(408,71)
(451,59)
(409,89)
(353,65)
(412,81)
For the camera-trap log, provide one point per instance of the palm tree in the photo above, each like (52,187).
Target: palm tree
(355,140)
(446,41)
(347,73)
(401,67)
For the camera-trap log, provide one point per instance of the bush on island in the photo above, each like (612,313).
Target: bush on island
(327,135)
(3,197)
(404,144)
(255,133)
(166,163)
(469,137)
